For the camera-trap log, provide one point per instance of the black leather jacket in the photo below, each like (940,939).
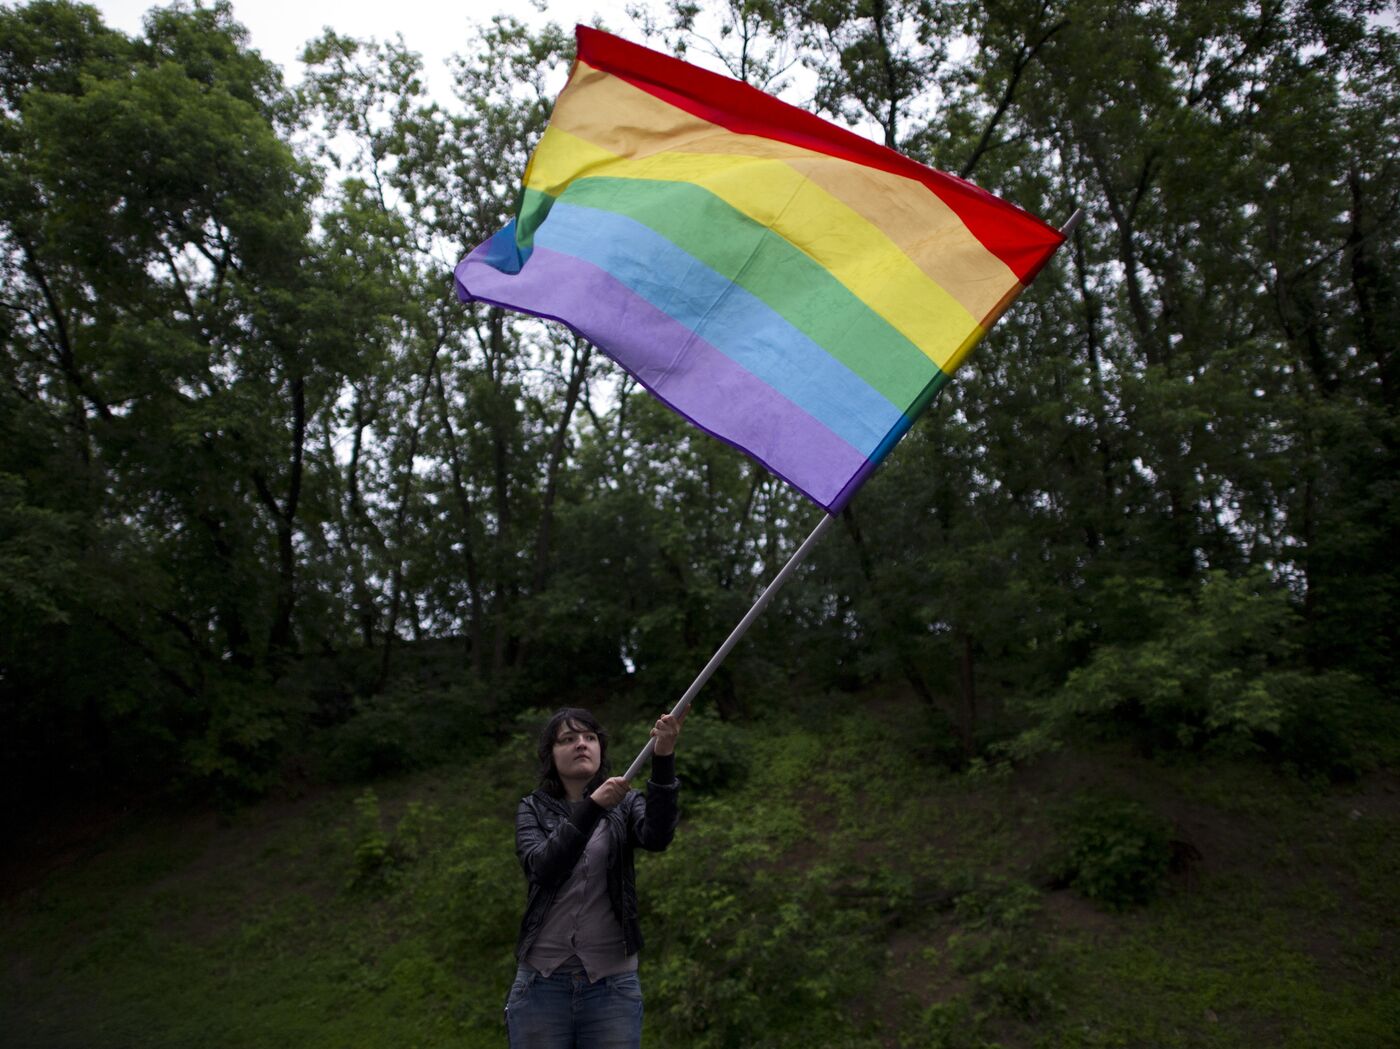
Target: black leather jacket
(550,836)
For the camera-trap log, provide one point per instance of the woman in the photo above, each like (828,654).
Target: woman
(576,986)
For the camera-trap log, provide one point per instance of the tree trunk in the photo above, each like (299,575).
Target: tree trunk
(401,519)
(464,504)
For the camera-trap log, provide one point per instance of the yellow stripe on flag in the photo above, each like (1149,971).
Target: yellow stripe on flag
(777,197)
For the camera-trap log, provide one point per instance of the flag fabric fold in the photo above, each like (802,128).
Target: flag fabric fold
(788,286)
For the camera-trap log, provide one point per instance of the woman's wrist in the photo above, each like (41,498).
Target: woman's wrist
(663,768)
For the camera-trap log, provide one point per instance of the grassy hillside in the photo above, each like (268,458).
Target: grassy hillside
(830,887)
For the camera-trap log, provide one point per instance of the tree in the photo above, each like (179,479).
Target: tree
(166,345)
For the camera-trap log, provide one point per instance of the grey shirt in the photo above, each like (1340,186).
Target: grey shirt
(581,922)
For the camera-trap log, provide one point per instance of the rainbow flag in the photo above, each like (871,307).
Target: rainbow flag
(788,286)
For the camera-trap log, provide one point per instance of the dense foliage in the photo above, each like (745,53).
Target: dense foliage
(836,894)
(267,490)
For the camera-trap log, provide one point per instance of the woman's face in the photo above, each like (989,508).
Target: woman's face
(576,752)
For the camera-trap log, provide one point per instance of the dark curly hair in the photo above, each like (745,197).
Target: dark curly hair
(580,720)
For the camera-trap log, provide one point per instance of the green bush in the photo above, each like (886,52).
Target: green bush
(371,855)
(953,1025)
(1111,851)
(1214,668)
(713,754)
(1001,951)
(746,948)
(377,856)
(403,729)
(934,742)
(237,755)
(1320,733)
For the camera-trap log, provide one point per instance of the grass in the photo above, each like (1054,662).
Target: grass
(835,891)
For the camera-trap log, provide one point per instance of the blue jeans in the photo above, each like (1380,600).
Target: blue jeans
(565,1011)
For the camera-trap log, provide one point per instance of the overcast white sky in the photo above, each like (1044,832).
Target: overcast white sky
(280,28)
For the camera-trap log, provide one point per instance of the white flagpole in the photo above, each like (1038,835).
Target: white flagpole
(782,577)
(753,613)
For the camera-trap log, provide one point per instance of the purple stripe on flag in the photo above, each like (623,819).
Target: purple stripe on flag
(680,368)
